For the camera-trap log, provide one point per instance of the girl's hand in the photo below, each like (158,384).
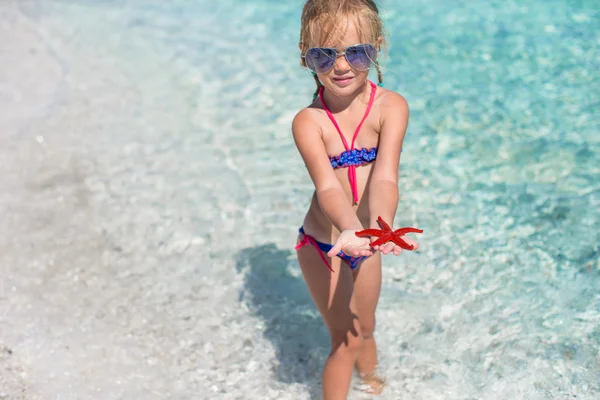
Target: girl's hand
(391,247)
(351,245)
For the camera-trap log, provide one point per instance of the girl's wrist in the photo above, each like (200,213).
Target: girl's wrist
(351,224)
(352,227)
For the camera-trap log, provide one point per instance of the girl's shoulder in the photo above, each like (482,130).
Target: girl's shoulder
(310,118)
(393,115)
(306,122)
(391,102)
(392,107)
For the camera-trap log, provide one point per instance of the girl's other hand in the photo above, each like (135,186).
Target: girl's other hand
(351,245)
(391,247)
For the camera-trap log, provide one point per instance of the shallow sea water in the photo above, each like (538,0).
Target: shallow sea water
(152,194)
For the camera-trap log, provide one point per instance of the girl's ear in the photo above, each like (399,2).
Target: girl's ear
(378,43)
(302,62)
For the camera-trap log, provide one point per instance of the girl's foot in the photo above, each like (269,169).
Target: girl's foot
(371,384)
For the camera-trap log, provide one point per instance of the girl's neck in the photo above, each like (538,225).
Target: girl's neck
(338,104)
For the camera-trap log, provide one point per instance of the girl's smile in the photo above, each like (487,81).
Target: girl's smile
(343,81)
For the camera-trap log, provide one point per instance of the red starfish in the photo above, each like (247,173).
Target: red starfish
(386,234)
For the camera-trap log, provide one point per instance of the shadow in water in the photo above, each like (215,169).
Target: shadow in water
(274,290)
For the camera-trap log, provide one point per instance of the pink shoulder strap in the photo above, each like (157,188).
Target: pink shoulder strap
(351,168)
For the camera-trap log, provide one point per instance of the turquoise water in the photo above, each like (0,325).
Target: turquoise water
(500,168)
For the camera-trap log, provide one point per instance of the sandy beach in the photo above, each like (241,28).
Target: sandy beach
(97,275)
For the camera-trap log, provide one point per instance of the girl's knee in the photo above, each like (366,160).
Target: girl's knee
(367,327)
(347,342)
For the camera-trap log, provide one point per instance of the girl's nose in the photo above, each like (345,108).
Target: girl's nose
(341,63)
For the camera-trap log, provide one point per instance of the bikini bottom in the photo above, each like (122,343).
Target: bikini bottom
(353,262)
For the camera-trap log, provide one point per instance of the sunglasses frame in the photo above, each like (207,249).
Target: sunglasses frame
(342,53)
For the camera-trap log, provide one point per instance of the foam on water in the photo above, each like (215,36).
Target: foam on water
(176,118)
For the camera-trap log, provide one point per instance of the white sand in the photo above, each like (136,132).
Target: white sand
(100,284)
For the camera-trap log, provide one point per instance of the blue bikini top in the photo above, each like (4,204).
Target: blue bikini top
(354,157)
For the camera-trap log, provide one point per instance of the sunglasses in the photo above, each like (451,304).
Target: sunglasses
(322,59)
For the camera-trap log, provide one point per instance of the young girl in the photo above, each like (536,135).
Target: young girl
(350,139)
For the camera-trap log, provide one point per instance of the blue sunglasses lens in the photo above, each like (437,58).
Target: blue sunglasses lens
(361,56)
(322,59)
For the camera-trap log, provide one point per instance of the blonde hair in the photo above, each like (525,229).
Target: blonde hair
(328,18)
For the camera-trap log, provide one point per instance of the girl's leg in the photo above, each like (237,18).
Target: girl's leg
(332,293)
(367,287)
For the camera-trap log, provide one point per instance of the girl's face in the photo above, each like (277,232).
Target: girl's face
(344,79)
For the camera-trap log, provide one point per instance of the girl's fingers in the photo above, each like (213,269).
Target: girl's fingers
(337,247)
(351,245)
(363,249)
(366,252)
(389,247)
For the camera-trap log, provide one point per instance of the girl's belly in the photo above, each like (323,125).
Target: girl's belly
(317,224)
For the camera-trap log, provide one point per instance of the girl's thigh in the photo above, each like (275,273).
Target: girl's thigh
(367,288)
(332,292)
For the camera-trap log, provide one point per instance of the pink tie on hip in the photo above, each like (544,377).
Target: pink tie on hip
(307,239)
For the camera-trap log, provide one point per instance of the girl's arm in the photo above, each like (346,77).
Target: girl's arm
(330,193)
(383,189)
